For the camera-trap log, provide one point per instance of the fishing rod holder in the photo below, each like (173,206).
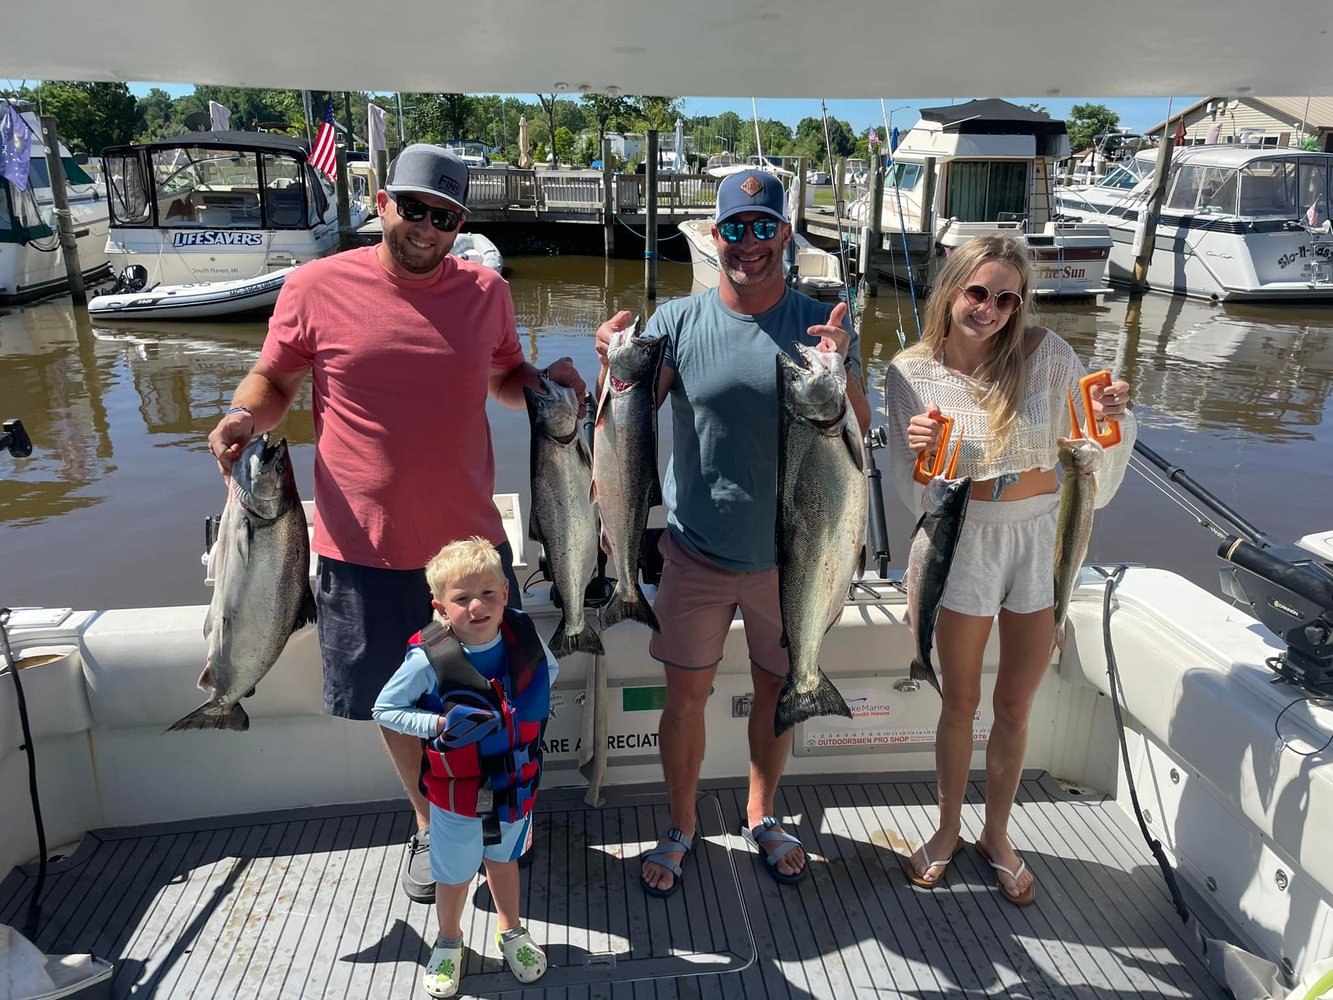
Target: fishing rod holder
(1290,590)
(15,440)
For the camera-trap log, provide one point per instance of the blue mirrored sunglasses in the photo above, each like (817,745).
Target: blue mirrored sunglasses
(446,220)
(734,232)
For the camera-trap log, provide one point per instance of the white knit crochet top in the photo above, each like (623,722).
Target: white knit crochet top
(915,380)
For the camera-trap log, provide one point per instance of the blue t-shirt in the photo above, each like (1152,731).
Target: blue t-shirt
(721,484)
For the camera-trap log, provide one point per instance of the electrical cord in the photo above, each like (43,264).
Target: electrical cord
(34,901)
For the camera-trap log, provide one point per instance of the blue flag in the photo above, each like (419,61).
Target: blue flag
(15,147)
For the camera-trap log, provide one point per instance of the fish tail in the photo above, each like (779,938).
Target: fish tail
(618,610)
(210,715)
(586,640)
(794,706)
(925,672)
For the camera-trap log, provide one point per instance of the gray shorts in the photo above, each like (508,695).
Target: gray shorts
(366,616)
(1005,557)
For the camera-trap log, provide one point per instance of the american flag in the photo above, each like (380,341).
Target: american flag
(322,156)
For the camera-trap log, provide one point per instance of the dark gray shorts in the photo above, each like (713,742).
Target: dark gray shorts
(366,616)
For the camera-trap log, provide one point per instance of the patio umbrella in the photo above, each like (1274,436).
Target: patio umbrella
(524,157)
(680,146)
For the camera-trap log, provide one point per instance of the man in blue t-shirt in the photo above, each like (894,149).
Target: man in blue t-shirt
(721,499)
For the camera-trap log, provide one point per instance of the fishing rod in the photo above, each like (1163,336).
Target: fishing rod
(1289,588)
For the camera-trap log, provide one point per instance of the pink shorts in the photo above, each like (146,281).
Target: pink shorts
(696,604)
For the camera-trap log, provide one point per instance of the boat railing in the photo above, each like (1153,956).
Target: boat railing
(578,191)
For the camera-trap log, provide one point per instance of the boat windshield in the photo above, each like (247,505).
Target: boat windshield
(904,176)
(207,188)
(1289,187)
(1121,178)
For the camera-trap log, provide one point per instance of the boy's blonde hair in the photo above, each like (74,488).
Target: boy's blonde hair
(459,559)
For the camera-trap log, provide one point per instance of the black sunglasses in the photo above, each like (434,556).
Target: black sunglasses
(446,220)
(734,232)
(979,295)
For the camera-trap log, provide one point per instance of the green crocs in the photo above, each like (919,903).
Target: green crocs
(526,961)
(444,968)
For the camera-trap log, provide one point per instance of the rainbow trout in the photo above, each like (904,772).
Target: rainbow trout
(260,566)
(562,519)
(1081,458)
(821,523)
(934,541)
(624,466)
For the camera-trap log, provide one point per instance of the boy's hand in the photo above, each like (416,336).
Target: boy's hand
(466,721)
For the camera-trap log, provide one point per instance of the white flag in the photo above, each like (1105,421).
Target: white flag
(220,117)
(375,128)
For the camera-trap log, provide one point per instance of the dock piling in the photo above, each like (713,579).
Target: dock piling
(874,236)
(650,212)
(1145,232)
(608,200)
(340,183)
(64,222)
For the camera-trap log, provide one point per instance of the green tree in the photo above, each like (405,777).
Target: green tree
(157,115)
(1088,120)
(548,106)
(564,143)
(1038,108)
(608,112)
(90,116)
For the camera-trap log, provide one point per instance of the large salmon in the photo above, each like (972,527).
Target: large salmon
(624,465)
(562,517)
(260,565)
(821,523)
(934,540)
(1081,458)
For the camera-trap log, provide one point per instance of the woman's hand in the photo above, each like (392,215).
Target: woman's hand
(923,431)
(1109,402)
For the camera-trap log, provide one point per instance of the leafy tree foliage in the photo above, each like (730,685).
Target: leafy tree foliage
(1088,120)
(89,116)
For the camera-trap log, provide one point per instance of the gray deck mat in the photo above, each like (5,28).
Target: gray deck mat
(306,903)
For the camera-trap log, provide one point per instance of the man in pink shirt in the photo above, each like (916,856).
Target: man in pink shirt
(403,344)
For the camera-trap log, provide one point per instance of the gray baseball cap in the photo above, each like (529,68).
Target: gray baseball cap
(423,168)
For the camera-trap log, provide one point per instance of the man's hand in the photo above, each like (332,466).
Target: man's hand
(833,337)
(229,438)
(563,372)
(620,321)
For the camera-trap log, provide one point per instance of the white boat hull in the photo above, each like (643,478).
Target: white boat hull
(208,299)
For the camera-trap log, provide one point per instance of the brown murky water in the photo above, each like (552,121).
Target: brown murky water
(109,510)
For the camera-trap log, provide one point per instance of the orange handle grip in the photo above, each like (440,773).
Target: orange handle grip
(927,470)
(1107,434)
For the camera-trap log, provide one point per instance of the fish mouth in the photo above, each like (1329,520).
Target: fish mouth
(620,385)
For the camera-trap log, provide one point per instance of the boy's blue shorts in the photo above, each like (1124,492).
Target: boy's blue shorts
(456,849)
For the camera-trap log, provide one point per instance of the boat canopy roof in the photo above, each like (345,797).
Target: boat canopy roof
(264,142)
(760,48)
(992,117)
(1236,156)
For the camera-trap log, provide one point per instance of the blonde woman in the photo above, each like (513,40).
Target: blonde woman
(1003,383)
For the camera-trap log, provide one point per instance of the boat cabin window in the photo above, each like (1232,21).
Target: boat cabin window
(1268,188)
(284,193)
(1119,178)
(127,188)
(1217,191)
(1316,188)
(981,190)
(203,188)
(905,176)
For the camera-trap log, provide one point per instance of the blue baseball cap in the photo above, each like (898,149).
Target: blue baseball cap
(426,169)
(751,191)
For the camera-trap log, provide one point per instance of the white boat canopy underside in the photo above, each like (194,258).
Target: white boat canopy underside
(764,48)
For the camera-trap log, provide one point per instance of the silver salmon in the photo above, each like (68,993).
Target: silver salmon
(821,523)
(1081,459)
(260,565)
(934,541)
(562,517)
(624,466)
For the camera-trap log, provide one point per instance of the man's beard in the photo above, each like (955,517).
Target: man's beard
(772,270)
(410,258)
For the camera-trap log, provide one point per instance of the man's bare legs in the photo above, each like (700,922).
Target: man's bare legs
(768,758)
(405,752)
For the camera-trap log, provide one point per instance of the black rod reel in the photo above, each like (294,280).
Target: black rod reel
(1289,588)
(879,529)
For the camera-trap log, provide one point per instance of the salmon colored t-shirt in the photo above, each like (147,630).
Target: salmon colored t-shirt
(403,460)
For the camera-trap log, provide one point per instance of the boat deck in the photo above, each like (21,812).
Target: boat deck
(306,903)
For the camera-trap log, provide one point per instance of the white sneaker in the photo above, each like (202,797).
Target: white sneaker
(526,961)
(444,969)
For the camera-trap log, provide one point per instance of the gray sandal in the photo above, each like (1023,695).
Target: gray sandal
(668,849)
(764,834)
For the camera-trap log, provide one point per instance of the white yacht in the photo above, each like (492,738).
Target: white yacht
(1238,223)
(32,263)
(994,174)
(211,207)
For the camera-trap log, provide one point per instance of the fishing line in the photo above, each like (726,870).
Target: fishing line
(1286,744)
(1174,495)
(837,216)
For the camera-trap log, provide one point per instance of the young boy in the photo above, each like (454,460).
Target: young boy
(475,687)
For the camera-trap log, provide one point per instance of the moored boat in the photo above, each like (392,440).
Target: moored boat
(196,301)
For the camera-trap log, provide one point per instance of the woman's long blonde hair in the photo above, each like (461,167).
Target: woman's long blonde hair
(1000,378)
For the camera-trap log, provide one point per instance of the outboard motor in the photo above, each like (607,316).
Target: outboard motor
(132,279)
